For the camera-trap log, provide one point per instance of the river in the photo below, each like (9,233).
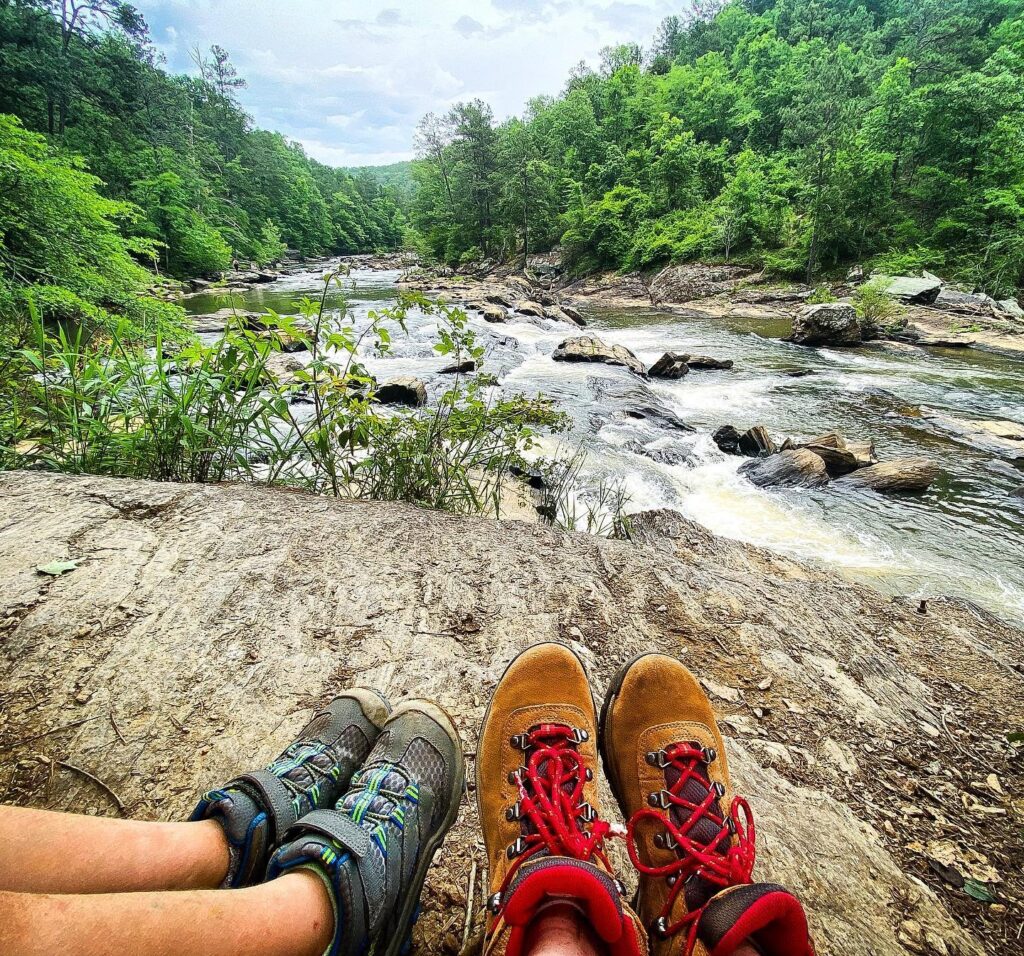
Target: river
(964,537)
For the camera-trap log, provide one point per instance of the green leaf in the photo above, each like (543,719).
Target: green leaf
(57,568)
(1016,738)
(979,891)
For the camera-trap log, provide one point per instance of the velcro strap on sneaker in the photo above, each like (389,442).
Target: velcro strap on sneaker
(277,799)
(766,914)
(346,835)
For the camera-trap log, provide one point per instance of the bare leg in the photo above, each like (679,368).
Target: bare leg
(289,916)
(561,931)
(46,852)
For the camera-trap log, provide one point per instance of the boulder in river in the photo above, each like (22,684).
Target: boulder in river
(530,308)
(658,413)
(559,314)
(459,368)
(493,313)
(587,348)
(670,365)
(953,300)
(899,475)
(499,298)
(911,289)
(707,363)
(404,390)
(219,321)
(840,459)
(832,323)
(753,443)
(573,314)
(796,468)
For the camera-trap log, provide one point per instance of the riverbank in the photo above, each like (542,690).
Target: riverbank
(203,623)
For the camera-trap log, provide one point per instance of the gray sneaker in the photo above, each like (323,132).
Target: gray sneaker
(255,809)
(374,848)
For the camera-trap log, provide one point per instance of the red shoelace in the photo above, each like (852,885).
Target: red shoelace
(727,859)
(551,799)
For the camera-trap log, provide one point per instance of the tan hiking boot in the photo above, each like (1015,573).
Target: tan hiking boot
(538,802)
(689,837)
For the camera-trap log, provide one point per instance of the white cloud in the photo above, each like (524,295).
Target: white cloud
(350,80)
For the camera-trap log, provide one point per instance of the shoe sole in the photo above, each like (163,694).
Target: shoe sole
(487,713)
(407,916)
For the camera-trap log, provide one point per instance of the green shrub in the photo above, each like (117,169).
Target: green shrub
(228,410)
(822,295)
(879,313)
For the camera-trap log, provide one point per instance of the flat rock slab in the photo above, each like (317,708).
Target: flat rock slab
(206,622)
(587,348)
(795,468)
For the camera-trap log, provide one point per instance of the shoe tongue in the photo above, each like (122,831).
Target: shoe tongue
(693,791)
(370,800)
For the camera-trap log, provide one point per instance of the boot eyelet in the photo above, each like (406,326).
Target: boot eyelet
(709,754)
(519,741)
(587,812)
(620,887)
(671,880)
(719,788)
(579,735)
(494,904)
(660,927)
(656,758)
(589,775)
(514,849)
(660,798)
(513,812)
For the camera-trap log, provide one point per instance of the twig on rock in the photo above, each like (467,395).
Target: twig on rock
(52,730)
(96,780)
(469,905)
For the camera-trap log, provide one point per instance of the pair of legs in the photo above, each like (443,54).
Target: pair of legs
(87,886)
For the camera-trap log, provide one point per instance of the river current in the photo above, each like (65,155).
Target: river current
(964,537)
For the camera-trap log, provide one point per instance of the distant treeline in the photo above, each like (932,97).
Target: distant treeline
(803,134)
(107,160)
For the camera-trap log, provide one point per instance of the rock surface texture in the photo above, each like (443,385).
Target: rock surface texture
(586,348)
(403,390)
(833,323)
(205,623)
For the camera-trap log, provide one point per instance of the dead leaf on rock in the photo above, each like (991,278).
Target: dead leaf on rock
(57,568)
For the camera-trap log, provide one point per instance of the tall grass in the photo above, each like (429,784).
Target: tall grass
(232,411)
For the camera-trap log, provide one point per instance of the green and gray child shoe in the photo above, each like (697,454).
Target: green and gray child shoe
(373,849)
(256,809)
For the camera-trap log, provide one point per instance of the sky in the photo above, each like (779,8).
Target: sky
(350,79)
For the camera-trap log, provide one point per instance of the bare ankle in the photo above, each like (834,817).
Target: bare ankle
(561,930)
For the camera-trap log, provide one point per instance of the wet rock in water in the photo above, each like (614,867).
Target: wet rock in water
(663,454)
(902,475)
(670,365)
(1003,438)
(404,390)
(493,313)
(658,414)
(840,459)
(558,314)
(934,342)
(797,468)
(530,308)
(707,363)
(459,368)
(753,443)
(727,438)
(833,323)
(1018,493)
(798,372)
(499,298)
(910,289)
(574,314)
(586,348)
(534,477)
(219,321)
(864,452)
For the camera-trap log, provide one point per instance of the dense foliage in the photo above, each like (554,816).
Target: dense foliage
(800,133)
(106,159)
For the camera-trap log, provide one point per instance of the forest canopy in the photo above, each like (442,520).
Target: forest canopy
(802,134)
(108,163)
